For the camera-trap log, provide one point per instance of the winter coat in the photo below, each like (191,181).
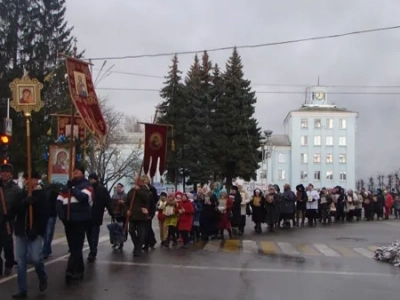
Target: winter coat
(287,204)
(40,210)
(101,201)
(237,210)
(160,210)
(312,200)
(170,219)
(301,197)
(12,196)
(198,208)
(257,205)
(388,201)
(224,221)
(119,209)
(80,204)
(271,208)
(185,219)
(142,200)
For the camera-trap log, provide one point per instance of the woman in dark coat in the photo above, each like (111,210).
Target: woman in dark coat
(271,208)
(287,206)
(257,205)
(237,220)
(301,199)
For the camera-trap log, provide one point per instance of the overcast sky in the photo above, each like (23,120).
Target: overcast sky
(107,28)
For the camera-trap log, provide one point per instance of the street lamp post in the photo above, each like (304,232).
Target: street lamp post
(267,153)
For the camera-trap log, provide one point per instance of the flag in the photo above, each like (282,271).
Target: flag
(155,148)
(84,96)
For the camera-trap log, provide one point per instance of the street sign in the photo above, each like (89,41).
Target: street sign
(7,127)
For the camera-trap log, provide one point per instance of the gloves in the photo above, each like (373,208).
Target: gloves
(29,200)
(69,184)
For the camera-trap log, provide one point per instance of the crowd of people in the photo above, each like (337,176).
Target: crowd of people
(29,215)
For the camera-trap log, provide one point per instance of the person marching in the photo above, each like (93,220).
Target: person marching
(81,201)
(10,197)
(101,201)
(29,241)
(119,202)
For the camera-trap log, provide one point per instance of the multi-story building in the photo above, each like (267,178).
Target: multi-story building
(318,146)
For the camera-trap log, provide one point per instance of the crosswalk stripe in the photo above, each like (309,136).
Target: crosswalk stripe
(308,250)
(212,246)
(249,246)
(288,249)
(231,246)
(346,252)
(372,248)
(325,250)
(364,252)
(268,248)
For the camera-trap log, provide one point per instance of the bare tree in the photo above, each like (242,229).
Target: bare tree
(112,158)
(131,124)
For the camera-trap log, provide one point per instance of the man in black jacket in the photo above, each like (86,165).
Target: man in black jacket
(29,231)
(11,196)
(52,193)
(101,201)
(80,193)
(139,214)
(150,239)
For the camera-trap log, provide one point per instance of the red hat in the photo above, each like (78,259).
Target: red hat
(178,195)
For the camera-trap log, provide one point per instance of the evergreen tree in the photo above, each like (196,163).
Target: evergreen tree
(173,111)
(238,134)
(34,33)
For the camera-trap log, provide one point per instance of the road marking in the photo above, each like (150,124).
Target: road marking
(231,246)
(249,246)
(373,248)
(364,252)
(325,250)
(212,246)
(253,270)
(346,252)
(49,262)
(268,248)
(391,223)
(308,250)
(288,249)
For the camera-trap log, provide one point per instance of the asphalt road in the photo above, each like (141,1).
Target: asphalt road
(306,263)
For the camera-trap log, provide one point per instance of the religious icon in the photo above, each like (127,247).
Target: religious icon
(80,84)
(60,165)
(75,131)
(155,141)
(26,95)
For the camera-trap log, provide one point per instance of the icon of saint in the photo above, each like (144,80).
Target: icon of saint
(26,97)
(81,87)
(60,166)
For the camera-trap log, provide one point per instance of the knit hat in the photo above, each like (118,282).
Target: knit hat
(163,194)
(93,176)
(6,168)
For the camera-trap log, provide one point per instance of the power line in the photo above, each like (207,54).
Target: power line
(258,92)
(134,74)
(250,46)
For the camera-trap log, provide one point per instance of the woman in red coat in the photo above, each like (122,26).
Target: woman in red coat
(186,211)
(225,208)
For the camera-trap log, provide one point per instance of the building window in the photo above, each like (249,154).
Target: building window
(304,140)
(342,124)
(329,140)
(317,123)
(329,123)
(329,175)
(342,158)
(304,158)
(317,175)
(317,158)
(304,175)
(281,158)
(329,158)
(304,123)
(342,176)
(342,141)
(281,174)
(317,140)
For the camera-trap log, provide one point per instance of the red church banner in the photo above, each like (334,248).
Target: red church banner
(64,127)
(155,147)
(84,96)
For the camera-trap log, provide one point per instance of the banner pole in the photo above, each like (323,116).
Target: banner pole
(71,150)
(131,201)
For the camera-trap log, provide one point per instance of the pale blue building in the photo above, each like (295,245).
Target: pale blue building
(318,146)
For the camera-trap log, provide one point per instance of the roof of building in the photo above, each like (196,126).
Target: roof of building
(322,109)
(280,140)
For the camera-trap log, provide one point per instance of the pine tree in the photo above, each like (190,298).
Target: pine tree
(197,84)
(238,132)
(173,111)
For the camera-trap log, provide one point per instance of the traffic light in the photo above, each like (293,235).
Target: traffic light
(4,143)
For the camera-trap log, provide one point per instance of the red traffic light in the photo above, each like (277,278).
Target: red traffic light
(5,140)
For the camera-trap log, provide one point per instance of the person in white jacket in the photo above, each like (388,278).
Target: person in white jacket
(312,205)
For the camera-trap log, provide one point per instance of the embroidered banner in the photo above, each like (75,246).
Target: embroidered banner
(155,147)
(64,127)
(84,96)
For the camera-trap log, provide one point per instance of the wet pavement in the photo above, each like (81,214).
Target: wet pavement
(305,263)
